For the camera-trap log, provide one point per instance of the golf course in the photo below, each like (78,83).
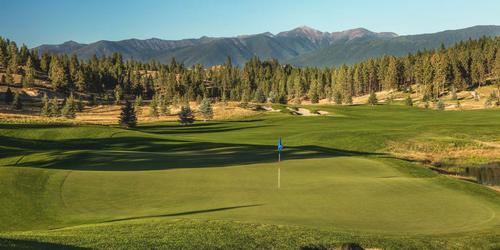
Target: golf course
(214,184)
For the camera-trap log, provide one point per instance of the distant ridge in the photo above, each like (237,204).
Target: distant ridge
(302,46)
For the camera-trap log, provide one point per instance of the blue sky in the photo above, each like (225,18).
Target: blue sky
(36,22)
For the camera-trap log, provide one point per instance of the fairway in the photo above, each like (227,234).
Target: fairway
(226,171)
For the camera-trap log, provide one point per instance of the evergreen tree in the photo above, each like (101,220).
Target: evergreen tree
(206,109)
(186,116)
(54,108)
(9,78)
(9,96)
(153,108)
(118,92)
(409,101)
(372,99)
(337,98)
(45,110)
(2,79)
(81,80)
(138,104)
(164,106)
(348,99)
(128,117)
(260,97)
(57,74)
(69,108)
(17,103)
(29,75)
(458,105)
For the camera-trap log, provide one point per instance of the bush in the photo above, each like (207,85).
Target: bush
(283,99)
(409,101)
(186,116)
(440,105)
(372,99)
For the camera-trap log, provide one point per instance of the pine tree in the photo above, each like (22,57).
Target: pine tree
(348,99)
(45,110)
(81,80)
(186,116)
(118,92)
(17,103)
(409,101)
(153,108)
(9,78)
(29,75)
(372,99)
(206,109)
(260,97)
(69,108)
(12,67)
(128,117)
(2,79)
(164,106)
(57,74)
(54,108)
(337,98)
(138,104)
(9,96)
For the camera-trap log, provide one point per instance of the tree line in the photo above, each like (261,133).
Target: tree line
(435,72)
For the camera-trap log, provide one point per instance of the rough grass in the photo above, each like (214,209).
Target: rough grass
(336,185)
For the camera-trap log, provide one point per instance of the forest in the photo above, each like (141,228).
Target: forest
(432,73)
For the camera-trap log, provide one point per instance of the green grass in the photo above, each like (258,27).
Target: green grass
(214,184)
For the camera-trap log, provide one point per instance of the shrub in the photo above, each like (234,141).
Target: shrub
(372,99)
(440,105)
(409,101)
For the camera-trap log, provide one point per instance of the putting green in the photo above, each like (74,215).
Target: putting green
(341,193)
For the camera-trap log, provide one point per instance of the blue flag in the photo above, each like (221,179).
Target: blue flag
(280,145)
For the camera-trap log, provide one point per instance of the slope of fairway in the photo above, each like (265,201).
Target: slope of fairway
(334,176)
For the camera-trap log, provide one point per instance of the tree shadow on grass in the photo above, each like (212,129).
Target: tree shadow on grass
(142,153)
(185,213)
(124,151)
(6,243)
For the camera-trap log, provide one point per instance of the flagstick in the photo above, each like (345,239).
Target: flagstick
(279,170)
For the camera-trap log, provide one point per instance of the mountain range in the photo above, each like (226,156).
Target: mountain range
(302,46)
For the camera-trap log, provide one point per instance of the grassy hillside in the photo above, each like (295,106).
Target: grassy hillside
(214,184)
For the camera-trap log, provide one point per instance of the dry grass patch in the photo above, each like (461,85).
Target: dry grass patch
(445,151)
